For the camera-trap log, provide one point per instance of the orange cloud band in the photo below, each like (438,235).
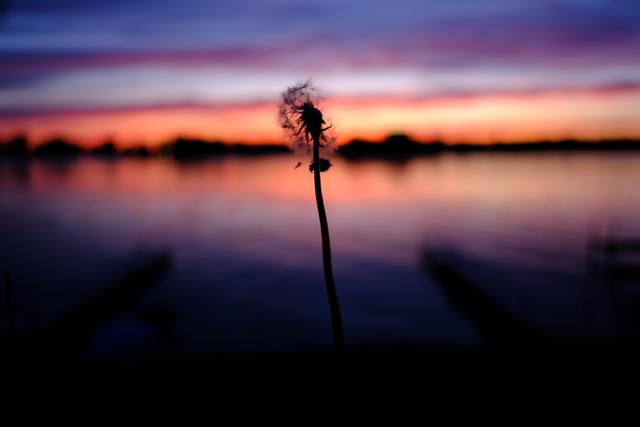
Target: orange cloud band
(511,116)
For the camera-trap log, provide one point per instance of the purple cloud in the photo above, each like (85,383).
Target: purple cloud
(41,41)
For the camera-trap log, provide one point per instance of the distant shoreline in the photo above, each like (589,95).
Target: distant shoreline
(393,148)
(400,146)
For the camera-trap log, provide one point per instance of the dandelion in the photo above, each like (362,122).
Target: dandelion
(306,129)
(303,124)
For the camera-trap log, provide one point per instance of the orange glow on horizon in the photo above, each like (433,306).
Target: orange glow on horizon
(488,118)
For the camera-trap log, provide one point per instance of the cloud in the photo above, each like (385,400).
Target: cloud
(53,52)
(325,35)
(447,96)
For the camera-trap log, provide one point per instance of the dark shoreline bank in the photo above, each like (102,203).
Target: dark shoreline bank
(395,147)
(400,146)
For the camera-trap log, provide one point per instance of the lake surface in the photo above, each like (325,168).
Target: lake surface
(246,272)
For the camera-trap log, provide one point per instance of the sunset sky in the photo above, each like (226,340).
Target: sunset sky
(145,71)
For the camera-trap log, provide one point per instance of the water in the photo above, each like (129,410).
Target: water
(246,271)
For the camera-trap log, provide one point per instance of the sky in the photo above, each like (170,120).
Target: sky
(146,71)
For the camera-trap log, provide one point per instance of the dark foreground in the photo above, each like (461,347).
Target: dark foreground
(399,387)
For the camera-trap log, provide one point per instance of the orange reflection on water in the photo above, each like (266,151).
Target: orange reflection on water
(244,235)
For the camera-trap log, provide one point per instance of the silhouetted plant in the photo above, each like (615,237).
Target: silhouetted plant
(305,127)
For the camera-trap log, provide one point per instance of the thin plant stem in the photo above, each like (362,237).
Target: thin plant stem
(336,316)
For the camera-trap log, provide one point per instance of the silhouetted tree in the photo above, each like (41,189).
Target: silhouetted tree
(16,147)
(58,147)
(106,149)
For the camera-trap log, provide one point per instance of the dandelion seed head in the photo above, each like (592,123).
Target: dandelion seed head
(297,103)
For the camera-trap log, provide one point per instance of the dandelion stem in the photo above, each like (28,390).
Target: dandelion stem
(336,316)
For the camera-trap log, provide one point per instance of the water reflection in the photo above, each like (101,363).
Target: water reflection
(246,271)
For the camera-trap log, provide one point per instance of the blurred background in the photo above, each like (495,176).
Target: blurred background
(483,200)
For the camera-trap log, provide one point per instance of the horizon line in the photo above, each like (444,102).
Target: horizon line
(230,143)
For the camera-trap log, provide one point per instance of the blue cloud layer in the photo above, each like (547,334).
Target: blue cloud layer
(43,43)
